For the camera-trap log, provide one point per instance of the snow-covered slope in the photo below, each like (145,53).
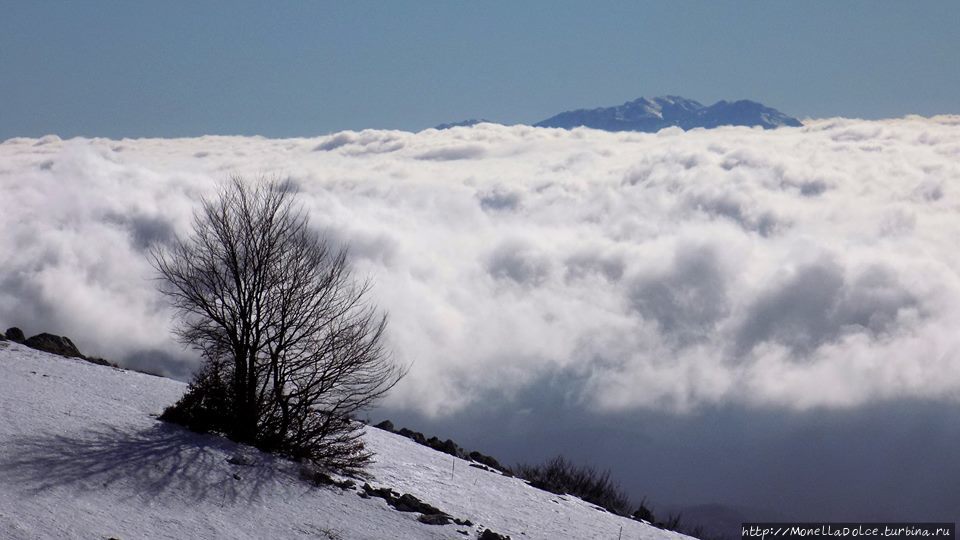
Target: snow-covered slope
(83,456)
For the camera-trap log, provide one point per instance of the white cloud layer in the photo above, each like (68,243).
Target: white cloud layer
(797,268)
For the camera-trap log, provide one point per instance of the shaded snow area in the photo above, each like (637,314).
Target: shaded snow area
(82,455)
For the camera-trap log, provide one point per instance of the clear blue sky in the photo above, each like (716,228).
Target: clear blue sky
(304,68)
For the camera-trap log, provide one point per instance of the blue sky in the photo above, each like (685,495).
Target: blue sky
(290,68)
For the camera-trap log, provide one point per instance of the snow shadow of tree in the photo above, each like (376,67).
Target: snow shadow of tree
(163,460)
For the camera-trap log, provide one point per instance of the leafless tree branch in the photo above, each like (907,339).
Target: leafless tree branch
(292,347)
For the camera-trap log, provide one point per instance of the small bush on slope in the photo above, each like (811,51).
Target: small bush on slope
(561,476)
(204,408)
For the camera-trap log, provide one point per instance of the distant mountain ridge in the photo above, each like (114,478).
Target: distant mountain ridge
(651,115)
(465,123)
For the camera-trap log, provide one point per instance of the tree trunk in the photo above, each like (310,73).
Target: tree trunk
(240,429)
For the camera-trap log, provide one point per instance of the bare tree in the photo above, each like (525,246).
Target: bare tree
(292,347)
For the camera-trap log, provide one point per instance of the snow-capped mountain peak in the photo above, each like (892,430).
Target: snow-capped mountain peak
(654,114)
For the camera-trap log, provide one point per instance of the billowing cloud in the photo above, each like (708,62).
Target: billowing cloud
(795,268)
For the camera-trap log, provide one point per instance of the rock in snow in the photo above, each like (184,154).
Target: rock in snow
(15,334)
(53,344)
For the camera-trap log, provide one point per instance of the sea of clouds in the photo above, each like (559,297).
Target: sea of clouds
(795,268)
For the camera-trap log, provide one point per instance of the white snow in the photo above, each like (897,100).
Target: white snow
(82,455)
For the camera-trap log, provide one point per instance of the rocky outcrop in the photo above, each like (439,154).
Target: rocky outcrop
(99,361)
(61,345)
(489,461)
(406,502)
(490,535)
(434,519)
(15,334)
(53,344)
(413,435)
(401,502)
(447,447)
(386,425)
